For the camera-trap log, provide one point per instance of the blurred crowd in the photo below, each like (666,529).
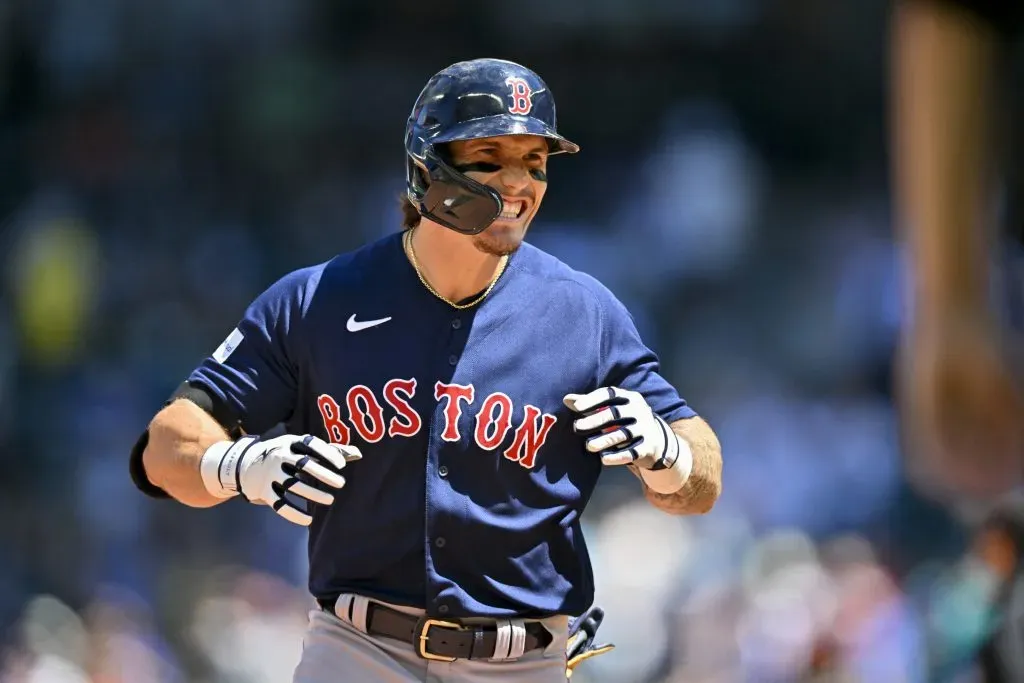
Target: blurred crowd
(163,162)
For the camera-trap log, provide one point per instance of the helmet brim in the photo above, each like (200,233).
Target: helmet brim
(506,124)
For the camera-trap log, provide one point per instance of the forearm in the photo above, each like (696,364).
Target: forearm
(942,93)
(704,485)
(178,437)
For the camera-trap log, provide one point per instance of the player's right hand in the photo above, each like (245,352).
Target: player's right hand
(262,472)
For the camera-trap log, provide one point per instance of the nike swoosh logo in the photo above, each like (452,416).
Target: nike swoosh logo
(354,325)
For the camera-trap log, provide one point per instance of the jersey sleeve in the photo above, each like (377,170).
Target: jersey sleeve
(628,363)
(253,375)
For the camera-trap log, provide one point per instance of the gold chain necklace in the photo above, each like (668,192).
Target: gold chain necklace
(407,243)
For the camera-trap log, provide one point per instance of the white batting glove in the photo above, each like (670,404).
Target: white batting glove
(623,430)
(262,472)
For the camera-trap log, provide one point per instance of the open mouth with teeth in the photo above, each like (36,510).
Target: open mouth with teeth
(512,209)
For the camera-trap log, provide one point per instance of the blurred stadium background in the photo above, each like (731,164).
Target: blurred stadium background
(163,161)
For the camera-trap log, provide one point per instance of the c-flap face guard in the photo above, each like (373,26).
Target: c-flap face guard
(457,201)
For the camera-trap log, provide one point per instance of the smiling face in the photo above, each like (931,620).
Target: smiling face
(515,166)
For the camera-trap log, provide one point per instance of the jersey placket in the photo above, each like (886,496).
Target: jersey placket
(441,520)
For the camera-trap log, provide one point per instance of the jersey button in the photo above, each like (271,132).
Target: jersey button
(456,324)
(439,541)
(453,359)
(443,470)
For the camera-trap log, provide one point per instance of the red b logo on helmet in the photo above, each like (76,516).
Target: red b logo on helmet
(521,94)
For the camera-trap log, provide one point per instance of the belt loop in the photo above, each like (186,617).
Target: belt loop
(343,607)
(502,639)
(352,609)
(359,610)
(517,646)
(476,650)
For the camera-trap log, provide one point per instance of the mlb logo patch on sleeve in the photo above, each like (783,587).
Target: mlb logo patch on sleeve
(227,346)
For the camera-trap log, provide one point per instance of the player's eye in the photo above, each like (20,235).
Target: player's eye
(539,174)
(478,166)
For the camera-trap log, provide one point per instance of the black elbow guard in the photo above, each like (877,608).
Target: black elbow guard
(216,409)
(199,396)
(138,470)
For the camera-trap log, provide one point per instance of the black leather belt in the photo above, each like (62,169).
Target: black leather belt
(439,639)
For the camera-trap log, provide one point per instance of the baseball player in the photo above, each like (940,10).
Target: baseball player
(451,396)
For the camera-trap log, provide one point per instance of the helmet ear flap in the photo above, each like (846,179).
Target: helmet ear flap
(418,182)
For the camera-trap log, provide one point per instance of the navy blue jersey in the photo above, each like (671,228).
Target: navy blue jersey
(467,500)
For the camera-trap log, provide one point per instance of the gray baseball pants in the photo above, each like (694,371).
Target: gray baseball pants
(338,650)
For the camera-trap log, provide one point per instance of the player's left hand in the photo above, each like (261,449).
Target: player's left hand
(622,428)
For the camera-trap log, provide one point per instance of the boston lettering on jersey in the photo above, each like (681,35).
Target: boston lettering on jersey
(468,497)
(493,419)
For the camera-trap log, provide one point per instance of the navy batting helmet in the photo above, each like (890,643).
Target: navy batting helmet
(475,99)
